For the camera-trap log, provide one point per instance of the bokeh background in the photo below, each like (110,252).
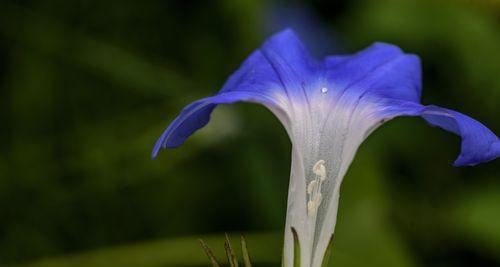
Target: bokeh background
(88,86)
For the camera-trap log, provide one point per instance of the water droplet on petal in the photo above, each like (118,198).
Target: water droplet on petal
(324,90)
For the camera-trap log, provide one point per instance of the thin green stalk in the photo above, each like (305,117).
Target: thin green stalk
(296,248)
(326,257)
(231,256)
(209,253)
(244,251)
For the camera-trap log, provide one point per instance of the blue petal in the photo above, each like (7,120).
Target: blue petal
(197,114)
(252,82)
(191,118)
(277,68)
(290,60)
(479,144)
(381,69)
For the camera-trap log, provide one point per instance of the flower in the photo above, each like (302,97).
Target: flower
(328,107)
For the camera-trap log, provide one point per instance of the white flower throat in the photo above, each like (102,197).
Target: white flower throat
(314,188)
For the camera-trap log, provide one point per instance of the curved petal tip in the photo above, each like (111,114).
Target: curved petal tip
(492,154)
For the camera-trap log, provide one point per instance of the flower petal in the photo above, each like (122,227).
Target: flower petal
(381,69)
(271,76)
(479,144)
(291,61)
(254,81)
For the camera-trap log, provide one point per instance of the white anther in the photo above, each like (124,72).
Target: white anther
(313,204)
(311,208)
(317,199)
(319,169)
(312,186)
(324,90)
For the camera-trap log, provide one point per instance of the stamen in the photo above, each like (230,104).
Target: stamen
(324,90)
(319,169)
(311,208)
(314,188)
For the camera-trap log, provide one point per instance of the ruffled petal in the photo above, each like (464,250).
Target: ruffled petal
(276,76)
(291,60)
(381,69)
(254,81)
(479,144)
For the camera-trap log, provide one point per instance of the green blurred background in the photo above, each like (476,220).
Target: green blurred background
(88,86)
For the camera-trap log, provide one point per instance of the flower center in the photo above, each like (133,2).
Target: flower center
(324,90)
(314,188)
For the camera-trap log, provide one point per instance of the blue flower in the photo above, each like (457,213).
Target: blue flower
(328,107)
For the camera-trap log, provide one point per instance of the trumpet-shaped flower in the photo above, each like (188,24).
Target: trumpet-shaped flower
(328,107)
